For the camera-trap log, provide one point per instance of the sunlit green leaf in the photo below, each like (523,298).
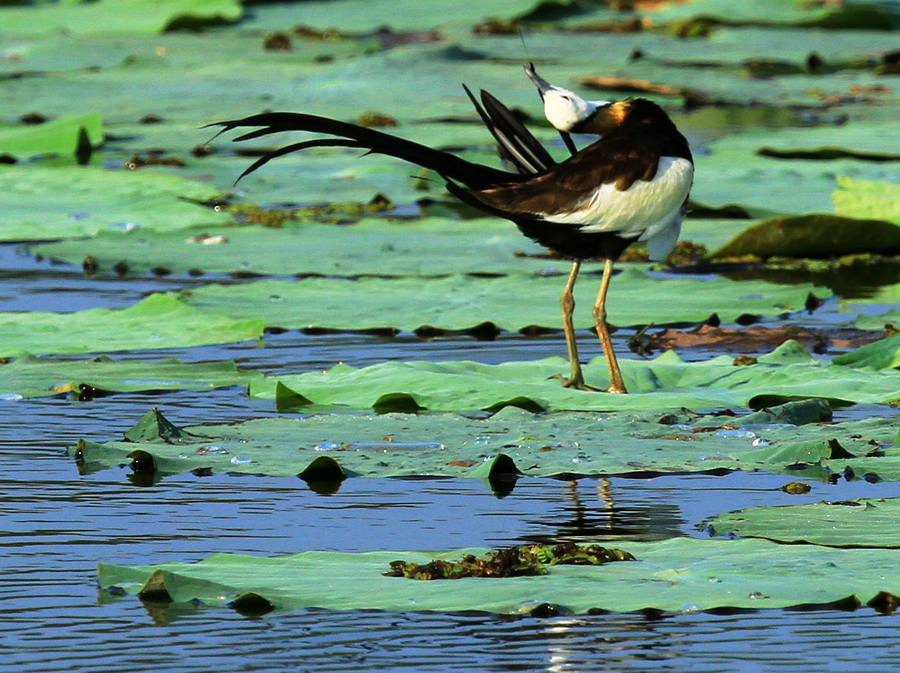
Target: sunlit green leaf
(159,321)
(111,16)
(30,376)
(451,445)
(877,322)
(883,354)
(867,198)
(511,302)
(680,574)
(666,382)
(399,15)
(846,523)
(873,14)
(44,203)
(61,136)
(434,246)
(766,187)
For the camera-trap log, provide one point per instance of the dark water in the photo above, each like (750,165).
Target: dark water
(56,526)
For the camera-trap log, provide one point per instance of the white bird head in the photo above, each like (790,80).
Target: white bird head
(564,109)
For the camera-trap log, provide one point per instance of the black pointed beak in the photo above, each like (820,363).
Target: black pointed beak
(542,84)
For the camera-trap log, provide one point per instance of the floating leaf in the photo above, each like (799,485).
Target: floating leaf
(882,354)
(664,383)
(684,573)
(871,15)
(877,322)
(159,321)
(813,236)
(45,203)
(867,198)
(847,523)
(63,136)
(429,247)
(511,302)
(369,15)
(115,16)
(30,376)
(509,444)
(765,187)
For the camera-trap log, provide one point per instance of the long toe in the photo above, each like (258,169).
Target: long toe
(576,384)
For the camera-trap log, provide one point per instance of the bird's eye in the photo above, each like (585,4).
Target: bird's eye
(566,97)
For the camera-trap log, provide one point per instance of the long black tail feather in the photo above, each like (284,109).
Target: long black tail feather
(515,146)
(525,150)
(295,147)
(448,166)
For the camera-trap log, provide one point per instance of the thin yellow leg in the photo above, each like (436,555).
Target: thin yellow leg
(567,303)
(615,376)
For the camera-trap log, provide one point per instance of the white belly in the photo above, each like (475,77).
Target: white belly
(650,210)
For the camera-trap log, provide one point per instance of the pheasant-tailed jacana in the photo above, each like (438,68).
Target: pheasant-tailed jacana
(629,185)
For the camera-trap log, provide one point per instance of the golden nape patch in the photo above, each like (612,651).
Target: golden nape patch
(606,118)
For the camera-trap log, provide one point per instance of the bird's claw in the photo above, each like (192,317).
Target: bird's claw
(576,383)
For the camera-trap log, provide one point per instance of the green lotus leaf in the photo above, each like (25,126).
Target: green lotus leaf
(30,376)
(867,198)
(877,322)
(402,15)
(817,236)
(664,383)
(883,354)
(866,522)
(862,15)
(426,247)
(433,246)
(684,574)
(765,187)
(565,57)
(183,51)
(64,137)
(547,445)
(46,203)
(159,321)
(737,85)
(860,139)
(115,16)
(511,302)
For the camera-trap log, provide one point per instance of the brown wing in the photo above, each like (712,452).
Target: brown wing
(619,161)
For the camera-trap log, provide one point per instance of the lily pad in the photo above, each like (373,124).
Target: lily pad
(82,200)
(882,354)
(666,382)
(30,376)
(876,322)
(159,321)
(857,139)
(64,137)
(427,247)
(684,573)
(871,15)
(867,198)
(817,236)
(858,523)
(767,187)
(451,445)
(511,302)
(184,51)
(369,15)
(115,16)
(566,56)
